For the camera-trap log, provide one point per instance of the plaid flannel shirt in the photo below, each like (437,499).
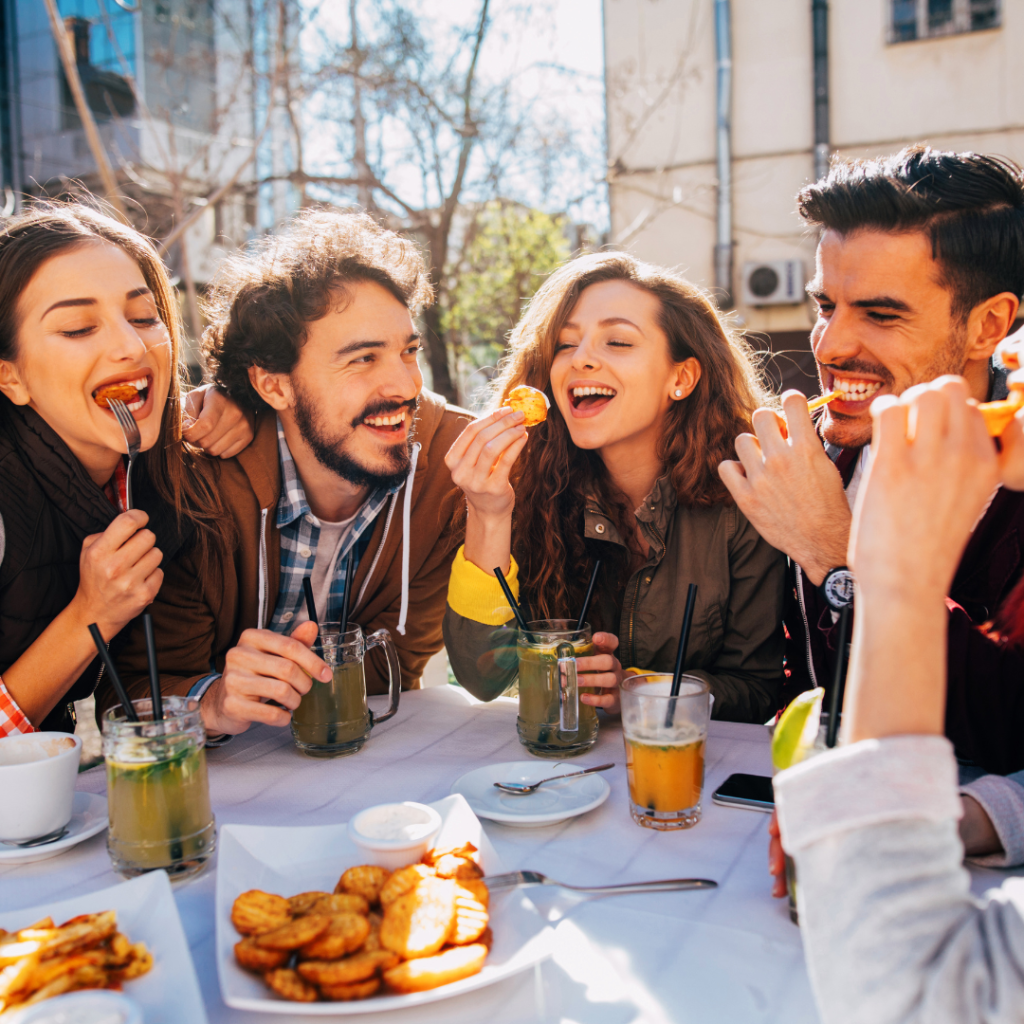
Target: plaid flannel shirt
(300,533)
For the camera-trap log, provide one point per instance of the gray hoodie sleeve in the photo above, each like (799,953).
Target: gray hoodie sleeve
(891,931)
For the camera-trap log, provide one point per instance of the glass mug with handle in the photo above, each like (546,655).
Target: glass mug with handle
(552,722)
(333,718)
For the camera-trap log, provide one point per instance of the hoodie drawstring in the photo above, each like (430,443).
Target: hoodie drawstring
(406,523)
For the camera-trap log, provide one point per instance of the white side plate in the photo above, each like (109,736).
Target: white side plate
(553,802)
(88,816)
(286,861)
(146,912)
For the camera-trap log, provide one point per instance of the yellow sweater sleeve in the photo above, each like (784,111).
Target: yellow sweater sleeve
(477,595)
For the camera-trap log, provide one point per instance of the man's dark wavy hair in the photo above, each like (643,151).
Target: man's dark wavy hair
(262,300)
(971,206)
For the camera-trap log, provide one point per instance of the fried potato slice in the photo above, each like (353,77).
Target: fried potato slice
(533,404)
(303,902)
(364,880)
(256,958)
(402,881)
(466,851)
(478,887)
(471,918)
(341,903)
(433,971)
(418,923)
(141,961)
(125,392)
(453,866)
(354,968)
(345,993)
(287,984)
(344,934)
(256,912)
(296,933)
(372,943)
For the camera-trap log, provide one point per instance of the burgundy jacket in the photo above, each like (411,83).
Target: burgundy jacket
(985,698)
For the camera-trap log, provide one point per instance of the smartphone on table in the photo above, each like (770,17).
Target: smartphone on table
(753,792)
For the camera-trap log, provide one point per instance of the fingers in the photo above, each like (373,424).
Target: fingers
(798,419)
(121,528)
(458,450)
(306,633)
(733,475)
(768,430)
(608,701)
(748,449)
(492,442)
(598,663)
(606,642)
(268,648)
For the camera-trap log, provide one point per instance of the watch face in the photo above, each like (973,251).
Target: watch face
(838,587)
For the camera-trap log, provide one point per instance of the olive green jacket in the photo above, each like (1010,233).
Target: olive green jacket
(736,642)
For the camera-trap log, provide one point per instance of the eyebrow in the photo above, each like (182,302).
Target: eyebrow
(64,303)
(608,322)
(876,302)
(358,346)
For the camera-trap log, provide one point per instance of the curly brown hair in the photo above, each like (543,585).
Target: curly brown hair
(548,537)
(263,298)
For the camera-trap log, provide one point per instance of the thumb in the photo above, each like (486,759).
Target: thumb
(608,641)
(305,633)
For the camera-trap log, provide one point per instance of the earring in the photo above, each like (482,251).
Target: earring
(679,393)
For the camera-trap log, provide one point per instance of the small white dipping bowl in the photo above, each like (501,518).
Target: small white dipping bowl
(393,835)
(37,779)
(94,1006)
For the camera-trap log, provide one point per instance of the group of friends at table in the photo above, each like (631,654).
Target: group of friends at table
(663,455)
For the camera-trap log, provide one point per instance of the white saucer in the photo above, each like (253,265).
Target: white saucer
(553,802)
(88,816)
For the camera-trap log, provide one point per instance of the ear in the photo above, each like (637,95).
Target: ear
(684,380)
(11,384)
(990,321)
(274,388)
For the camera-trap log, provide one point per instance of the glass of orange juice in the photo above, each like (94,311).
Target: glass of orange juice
(665,739)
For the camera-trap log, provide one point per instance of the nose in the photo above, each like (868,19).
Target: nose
(835,341)
(585,355)
(401,381)
(125,343)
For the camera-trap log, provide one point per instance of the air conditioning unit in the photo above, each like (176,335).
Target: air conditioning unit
(773,283)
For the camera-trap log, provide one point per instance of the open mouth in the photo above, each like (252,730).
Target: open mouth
(587,399)
(132,392)
(390,423)
(854,389)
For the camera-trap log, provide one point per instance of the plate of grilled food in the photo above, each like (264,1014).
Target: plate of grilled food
(308,926)
(128,938)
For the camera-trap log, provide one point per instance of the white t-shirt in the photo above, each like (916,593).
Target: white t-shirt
(328,550)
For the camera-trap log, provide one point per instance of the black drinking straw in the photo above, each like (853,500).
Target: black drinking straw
(684,642)
(307,589)
(348,589)
(590,594)
(154,672)
(839,682)
(516,610)
(115,679)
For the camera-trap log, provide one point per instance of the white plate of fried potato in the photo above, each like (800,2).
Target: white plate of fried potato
(166,990)
(332,974)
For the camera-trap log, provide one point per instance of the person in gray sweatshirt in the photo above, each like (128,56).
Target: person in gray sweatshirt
(891,930)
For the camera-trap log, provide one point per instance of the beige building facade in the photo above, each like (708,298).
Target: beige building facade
(944,72)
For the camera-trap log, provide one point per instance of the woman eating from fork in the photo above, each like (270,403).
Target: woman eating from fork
(648,391)
(87,314)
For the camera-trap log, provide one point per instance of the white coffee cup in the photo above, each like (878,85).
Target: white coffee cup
(37,779)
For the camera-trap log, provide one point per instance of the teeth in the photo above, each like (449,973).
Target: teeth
(385,421)
(583,392)
(855,390)
(132,406)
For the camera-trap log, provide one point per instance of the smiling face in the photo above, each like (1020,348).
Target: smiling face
(884,324)
(612,377)
(87,320)
(352,394)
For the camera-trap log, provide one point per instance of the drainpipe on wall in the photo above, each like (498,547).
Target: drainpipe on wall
(723,67)
(819,18)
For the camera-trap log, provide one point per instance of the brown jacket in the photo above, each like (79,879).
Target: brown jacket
(736,642)
(199,616)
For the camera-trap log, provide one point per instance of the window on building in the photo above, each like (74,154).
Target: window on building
(925,19)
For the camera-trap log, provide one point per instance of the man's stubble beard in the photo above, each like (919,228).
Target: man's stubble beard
(332,453)
(851,432)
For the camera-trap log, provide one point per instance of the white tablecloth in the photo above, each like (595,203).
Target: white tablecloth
(729,955)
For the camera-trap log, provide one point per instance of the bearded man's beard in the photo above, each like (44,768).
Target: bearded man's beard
(333,454)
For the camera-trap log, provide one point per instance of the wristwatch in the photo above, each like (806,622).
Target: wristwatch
(837,588)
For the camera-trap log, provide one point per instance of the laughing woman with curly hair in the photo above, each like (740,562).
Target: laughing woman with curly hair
(648,392)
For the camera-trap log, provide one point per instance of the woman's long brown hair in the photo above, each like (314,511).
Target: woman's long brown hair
(553,479)
(49,229)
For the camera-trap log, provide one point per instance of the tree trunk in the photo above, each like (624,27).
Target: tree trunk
(437,354)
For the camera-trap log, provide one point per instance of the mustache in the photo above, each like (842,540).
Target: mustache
(384,409)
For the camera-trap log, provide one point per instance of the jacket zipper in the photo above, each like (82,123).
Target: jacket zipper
(262,614)
(807,625)
(636,597)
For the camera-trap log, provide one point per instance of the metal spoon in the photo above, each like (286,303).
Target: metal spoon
(50,837)
(522,788)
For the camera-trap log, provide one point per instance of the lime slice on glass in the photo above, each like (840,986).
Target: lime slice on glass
(797,729)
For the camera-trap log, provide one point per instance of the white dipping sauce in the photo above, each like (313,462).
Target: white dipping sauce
(28,748)
(394,822)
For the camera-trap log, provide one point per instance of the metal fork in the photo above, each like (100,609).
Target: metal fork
(517,878)
(132,438)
